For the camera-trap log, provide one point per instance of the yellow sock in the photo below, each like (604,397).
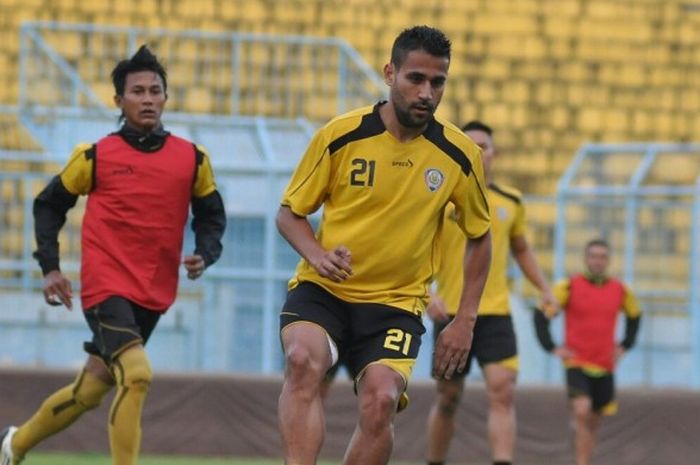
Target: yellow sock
(133,374)
(59,411)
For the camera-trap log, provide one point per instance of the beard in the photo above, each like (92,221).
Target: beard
(406,119)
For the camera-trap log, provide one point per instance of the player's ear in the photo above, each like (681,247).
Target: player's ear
(118,100)
(389,74)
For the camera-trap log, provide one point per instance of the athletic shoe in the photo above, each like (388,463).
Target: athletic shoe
(7,457)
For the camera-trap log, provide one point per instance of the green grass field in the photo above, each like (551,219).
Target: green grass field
(38,458)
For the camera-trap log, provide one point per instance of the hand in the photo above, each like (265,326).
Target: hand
(619,352)
(334,264)
(452,348)
(194,264)
(437,310)
(563,352)
(549,303)
(57,289)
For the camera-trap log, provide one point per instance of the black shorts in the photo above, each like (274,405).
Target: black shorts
(493,342)
(117,324)
(601,389)
(363,332)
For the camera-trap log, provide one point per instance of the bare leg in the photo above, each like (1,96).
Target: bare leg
(301,420)
(586,426)
(500,386)
(441,420)
(378,396)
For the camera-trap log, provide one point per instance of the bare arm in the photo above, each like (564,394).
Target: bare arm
(522,253)
(455,340)
(332,264)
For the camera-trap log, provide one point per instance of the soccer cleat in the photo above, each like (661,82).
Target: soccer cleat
(403,403)
(7,457)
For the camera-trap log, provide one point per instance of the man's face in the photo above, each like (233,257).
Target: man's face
(597,259)
(416,87)
(143,100)
(488,151)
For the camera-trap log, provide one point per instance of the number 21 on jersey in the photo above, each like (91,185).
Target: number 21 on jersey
(362,173)
(398,340)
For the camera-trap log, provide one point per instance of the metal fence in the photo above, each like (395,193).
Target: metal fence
(65,73)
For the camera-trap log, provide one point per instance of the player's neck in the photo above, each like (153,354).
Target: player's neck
(391,123)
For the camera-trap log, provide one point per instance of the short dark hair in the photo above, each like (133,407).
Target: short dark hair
(597,242)
(143,60)
(427,38)
(477,125)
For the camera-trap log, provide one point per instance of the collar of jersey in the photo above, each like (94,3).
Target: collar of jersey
(598,280)
(144,142)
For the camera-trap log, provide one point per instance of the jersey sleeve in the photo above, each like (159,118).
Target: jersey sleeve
(630,304)
(204,183)
(469,197)
(561,291)
(77,175)
(309,184)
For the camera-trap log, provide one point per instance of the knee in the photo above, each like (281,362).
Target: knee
(132,369)
(378,407)
(501,395)
(90,390)
(581,413)
(448,399)
(301,367)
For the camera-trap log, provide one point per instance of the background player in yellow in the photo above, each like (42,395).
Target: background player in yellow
(592,301)
(384,175)
(494,344)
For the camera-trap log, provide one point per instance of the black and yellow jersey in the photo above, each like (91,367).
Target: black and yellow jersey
(384,201)
(507,222)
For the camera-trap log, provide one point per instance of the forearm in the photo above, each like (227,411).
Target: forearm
(208,224)
(528,264)
(50,208)
(298,232)
(631,330)
(477,261)
(542,329)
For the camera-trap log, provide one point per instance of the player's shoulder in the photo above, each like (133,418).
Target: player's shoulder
(362,123)
(456,137)
(84,150)
(508,192)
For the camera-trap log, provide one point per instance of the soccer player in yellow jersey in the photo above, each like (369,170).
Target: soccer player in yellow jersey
(494,339)
(384,175)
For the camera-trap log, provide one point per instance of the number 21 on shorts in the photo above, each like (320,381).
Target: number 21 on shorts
(398,340)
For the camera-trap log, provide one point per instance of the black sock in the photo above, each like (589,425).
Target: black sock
(502,462)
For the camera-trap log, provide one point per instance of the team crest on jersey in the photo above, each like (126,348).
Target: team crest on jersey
(434,179)
(502,213)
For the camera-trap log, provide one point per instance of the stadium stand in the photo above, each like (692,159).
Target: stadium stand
(548,75)
(551,75)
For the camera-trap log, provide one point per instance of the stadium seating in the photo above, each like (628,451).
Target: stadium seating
(548,75)
(567,71)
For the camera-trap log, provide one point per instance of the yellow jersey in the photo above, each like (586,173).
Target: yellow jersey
(384,200)
(507,222)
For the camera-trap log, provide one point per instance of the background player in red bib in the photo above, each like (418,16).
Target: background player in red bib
(591,302)
(140,183)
